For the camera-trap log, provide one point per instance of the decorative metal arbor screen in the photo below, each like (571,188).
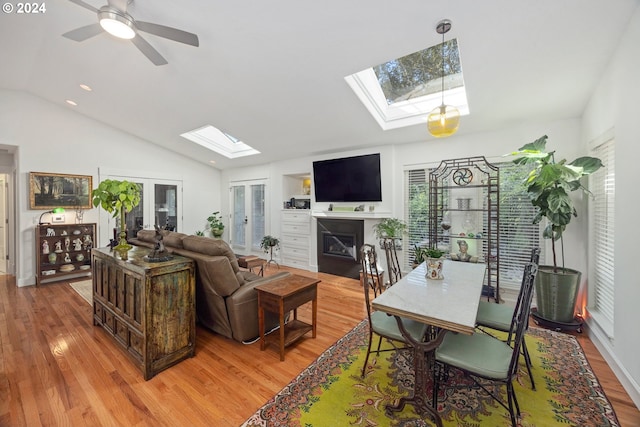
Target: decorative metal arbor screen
(464,209)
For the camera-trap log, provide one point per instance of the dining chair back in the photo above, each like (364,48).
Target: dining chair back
(380,323)
(486,359)
(393,265)
(493,317)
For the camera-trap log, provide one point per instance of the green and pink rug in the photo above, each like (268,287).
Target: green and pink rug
(330,392)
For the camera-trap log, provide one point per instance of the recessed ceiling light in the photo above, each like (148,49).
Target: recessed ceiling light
(213,162)
(70,102)
(86,87)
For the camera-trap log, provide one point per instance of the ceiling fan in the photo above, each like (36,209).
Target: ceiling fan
(114,19)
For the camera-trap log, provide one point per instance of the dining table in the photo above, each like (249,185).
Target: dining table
(447,305)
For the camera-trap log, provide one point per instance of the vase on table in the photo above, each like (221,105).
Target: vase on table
(434,268)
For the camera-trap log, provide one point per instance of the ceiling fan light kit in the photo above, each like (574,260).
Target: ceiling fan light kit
(117,24)
(114,19)
(443,121)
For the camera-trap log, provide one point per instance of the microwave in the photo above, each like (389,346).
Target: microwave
(296,203)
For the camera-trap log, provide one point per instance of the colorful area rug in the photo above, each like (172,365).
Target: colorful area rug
(330,392)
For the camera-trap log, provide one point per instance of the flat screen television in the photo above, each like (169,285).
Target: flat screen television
(348,179)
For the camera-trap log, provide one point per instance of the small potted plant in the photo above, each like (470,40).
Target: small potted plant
(117,198)
(390,228)
(267,244)
(419,255)
(434,263)
(215,224)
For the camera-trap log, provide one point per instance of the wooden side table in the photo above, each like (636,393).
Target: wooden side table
(251,262)
(281,296)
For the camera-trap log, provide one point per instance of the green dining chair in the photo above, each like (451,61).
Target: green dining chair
(381,323)
(485,359)
(498,317)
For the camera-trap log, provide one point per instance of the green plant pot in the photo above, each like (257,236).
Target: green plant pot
(556,293)
(216,232)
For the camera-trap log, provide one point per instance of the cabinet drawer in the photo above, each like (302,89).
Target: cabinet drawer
(296,228)
(300,241)
(293,252)
(297,263)
(294,216)
(135,343)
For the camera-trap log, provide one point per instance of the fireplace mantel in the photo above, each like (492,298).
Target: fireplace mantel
(350,214)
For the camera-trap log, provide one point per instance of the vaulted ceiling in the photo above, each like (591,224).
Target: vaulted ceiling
(271,73)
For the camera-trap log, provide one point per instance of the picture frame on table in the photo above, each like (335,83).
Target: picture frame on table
(54,190)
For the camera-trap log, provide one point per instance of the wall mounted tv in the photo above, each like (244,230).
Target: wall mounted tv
(348,179)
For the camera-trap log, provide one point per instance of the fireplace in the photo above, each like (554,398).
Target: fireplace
(339,242)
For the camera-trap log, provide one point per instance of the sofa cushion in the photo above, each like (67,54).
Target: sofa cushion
(173,239)
(240,278)
(209,246)
(147,235)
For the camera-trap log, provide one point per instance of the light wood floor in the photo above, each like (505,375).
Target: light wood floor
(57,369)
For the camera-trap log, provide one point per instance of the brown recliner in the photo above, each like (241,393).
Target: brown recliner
(226,301)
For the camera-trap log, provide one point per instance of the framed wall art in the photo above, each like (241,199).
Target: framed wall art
(54,190)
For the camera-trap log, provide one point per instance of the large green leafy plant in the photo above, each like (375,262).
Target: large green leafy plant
(549,185)
(117,198)
(114,196)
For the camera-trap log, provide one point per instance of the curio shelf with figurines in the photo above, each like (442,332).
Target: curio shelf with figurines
(63,250)
(464,206)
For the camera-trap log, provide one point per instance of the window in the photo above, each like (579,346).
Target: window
(403,91)
(518,234)
(601,233)
(220,142)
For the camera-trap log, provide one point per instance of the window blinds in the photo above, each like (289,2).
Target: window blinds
(601,210)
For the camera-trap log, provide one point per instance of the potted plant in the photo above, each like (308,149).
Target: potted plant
(267,244)
(419,255)
(117,198)
(548,186)
(215,224)
(390,228)
(434,263)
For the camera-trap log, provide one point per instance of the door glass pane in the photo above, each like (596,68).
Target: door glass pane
(135,218)
(257,215)
(166,207)
(239,214)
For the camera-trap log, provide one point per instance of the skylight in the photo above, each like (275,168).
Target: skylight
(221,142)
(403,91)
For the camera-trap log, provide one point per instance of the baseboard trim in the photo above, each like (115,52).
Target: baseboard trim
(601,342)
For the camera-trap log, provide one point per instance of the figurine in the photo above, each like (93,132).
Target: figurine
(67,243)
(58,246)
(77,244)
(45,247)
(67,258)
(51,232)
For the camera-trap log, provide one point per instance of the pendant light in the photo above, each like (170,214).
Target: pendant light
(443,120)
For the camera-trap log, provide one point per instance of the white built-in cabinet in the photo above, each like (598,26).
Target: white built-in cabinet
(295,240)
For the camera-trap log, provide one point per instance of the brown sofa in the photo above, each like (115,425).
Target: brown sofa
(226,301)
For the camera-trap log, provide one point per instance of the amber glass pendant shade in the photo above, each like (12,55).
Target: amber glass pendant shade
(443,121)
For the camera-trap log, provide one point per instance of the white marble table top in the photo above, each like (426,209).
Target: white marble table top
(451,303)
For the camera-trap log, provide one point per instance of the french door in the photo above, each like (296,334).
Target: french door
(160,204)
(248,207)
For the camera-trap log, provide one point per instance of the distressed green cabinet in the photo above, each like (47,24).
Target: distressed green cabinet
(147,308)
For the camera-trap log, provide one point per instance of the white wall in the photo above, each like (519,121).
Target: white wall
(614,105)
(53,138)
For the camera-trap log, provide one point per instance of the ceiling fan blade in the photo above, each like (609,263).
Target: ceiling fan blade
(121,5)
(83,33)
(148,50)
(85,5)
(168,33)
